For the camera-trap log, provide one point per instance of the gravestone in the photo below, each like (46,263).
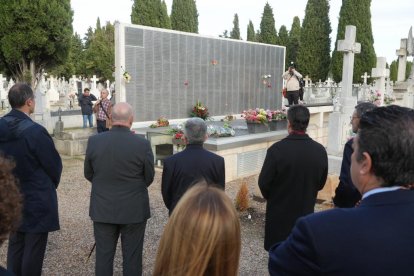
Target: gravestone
(402,59)
(365,77)
(380,73)
(94,89)
(53,93)
(3,92)
(308,81)
(339,126)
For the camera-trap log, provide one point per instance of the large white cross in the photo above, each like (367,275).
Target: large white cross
(381,72)
(350,48)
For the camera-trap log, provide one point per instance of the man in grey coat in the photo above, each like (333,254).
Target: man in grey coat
(120,166)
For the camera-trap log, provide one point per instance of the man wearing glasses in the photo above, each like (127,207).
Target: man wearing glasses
(346,195)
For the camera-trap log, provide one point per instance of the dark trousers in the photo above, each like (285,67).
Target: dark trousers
(26,252)
(293,97)
(132,242)
(301,92)
(101,126)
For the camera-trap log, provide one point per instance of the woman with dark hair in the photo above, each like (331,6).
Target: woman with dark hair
(202,236)
(10,203)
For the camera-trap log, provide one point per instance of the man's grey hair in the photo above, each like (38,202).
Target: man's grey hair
(195,130)
(121,112)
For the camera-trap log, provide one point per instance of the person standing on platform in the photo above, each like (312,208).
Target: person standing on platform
(38,169)
(103,108)
(291,76)
(294,170)
(85,102)
(120,166)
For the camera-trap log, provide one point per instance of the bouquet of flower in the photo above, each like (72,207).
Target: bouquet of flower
(375,96)
(127,76)
(279,115)
(199,110)
(161,122)
(176,131)
(258,115)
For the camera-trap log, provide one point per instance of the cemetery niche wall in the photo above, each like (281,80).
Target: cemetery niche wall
(169,71)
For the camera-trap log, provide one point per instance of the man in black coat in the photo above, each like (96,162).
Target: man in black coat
(120,166)
(38,168)
(184,169)
(294,170)
(346,194)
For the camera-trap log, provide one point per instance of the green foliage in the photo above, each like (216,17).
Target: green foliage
(267,26)
(151,13)
(294,40)
(99,55)
(356,13)
(408,69)
(315,44)
(251,36)
(34,35)
(394,70)
(225,34)
(235,33)
(283,36)
(184,16)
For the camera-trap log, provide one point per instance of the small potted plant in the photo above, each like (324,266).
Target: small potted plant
(257,119)
(279,120)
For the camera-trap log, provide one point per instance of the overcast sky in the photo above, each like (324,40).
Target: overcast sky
(391,20)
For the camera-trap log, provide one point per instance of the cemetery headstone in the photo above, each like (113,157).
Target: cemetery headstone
(339,127)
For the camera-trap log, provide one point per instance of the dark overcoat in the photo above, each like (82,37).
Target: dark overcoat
(120,165)
(86,104)
(185,168)
(294,170)
(375,238)
(38,168)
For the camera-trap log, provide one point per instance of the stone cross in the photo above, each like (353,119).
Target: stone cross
(402,59)
(94,90)
(380,72)
(350,48)
(329,82)
(320,83)
(365,76)
(307,81)
(339,127)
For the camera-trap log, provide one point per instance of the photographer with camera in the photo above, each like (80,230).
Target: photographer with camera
(292,84)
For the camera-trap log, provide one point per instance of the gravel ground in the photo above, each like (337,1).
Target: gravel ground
(68,248)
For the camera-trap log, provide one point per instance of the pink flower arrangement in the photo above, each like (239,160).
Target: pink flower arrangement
(257,115)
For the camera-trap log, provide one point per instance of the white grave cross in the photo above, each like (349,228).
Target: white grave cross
(307,81)
(380,72)
(94,90)
(350,48)
(365,76)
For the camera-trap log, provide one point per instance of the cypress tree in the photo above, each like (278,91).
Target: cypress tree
(151,13)
(251,36)
(165,21)
(357,13)
(294,40)
(315,43)
(235,33)
(283,36)
(184,16)
(267,26)
(283,39)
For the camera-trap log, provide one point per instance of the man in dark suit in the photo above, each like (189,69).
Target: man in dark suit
(294,170)
(38,168)
(120,166)
(187,167)
(376,237)
(346,194)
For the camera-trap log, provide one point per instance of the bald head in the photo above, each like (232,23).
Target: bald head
(122,114)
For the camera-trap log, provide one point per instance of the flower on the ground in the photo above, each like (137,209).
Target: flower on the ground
(258,115)
(199,110)
(127,76)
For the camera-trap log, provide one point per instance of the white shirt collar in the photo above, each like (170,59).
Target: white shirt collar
(380,190)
